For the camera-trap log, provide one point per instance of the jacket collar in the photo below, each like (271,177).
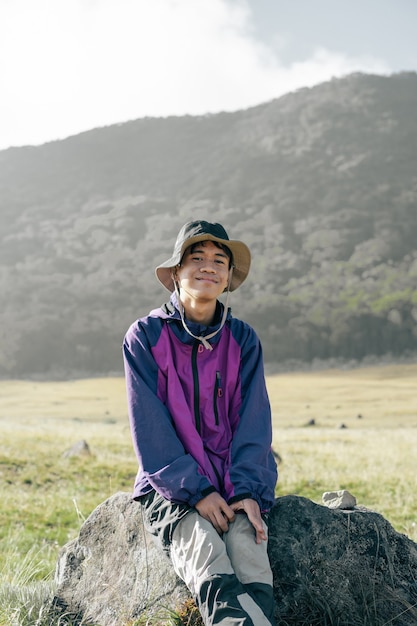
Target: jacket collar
(170,312)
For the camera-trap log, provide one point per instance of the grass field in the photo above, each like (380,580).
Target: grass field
(44,496)
(364,438)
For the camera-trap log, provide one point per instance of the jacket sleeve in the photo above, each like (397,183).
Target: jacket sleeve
(252,467)
(163,462)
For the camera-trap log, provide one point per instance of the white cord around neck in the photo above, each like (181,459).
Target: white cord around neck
(204,340)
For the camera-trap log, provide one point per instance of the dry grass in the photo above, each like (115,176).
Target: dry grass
(385,396)
(373,455)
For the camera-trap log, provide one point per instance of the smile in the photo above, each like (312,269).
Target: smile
(208,279)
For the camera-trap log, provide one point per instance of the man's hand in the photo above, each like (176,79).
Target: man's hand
(216,510)
(252,510)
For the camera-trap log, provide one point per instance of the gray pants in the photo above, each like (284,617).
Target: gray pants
(229,576)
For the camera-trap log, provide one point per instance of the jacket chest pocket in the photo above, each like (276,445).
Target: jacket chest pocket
(217,394)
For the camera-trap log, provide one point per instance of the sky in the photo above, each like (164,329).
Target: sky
(67,66)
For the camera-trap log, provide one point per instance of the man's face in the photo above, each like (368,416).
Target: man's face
(204,271)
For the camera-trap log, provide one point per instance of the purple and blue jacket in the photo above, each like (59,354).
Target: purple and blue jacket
(200,419)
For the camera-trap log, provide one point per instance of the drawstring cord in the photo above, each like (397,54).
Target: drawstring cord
(204,340)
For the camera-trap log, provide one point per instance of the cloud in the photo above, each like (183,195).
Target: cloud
(73,65)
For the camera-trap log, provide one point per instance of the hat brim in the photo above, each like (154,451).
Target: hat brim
(241,261)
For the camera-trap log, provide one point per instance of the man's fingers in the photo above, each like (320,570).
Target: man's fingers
(216,510)
(251,508)
(220,523)
(228,513)
(260,534)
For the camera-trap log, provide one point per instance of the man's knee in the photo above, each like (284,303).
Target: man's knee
(198,552)
(249,559)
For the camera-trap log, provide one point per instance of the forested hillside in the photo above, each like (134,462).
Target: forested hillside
(321,184)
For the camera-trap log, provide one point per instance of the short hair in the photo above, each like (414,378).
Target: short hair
(225,249)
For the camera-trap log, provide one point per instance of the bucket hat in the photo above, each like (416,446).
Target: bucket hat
(200,230)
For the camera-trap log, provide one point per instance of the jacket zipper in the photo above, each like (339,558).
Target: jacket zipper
(219,478)
(217,394)
(196,386)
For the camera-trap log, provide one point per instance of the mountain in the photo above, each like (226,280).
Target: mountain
(321,183)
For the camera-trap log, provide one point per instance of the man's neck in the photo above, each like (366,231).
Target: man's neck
(199,312)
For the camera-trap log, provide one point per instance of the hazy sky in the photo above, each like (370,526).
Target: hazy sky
(72,65)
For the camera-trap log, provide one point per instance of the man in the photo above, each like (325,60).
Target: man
(201,427)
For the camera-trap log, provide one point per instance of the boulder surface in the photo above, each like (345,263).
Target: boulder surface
(330,566)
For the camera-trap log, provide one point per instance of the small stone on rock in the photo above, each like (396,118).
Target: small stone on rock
(339,499)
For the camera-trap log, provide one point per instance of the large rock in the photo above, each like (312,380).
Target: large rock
(113,571)
(330,567)
(344,567)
